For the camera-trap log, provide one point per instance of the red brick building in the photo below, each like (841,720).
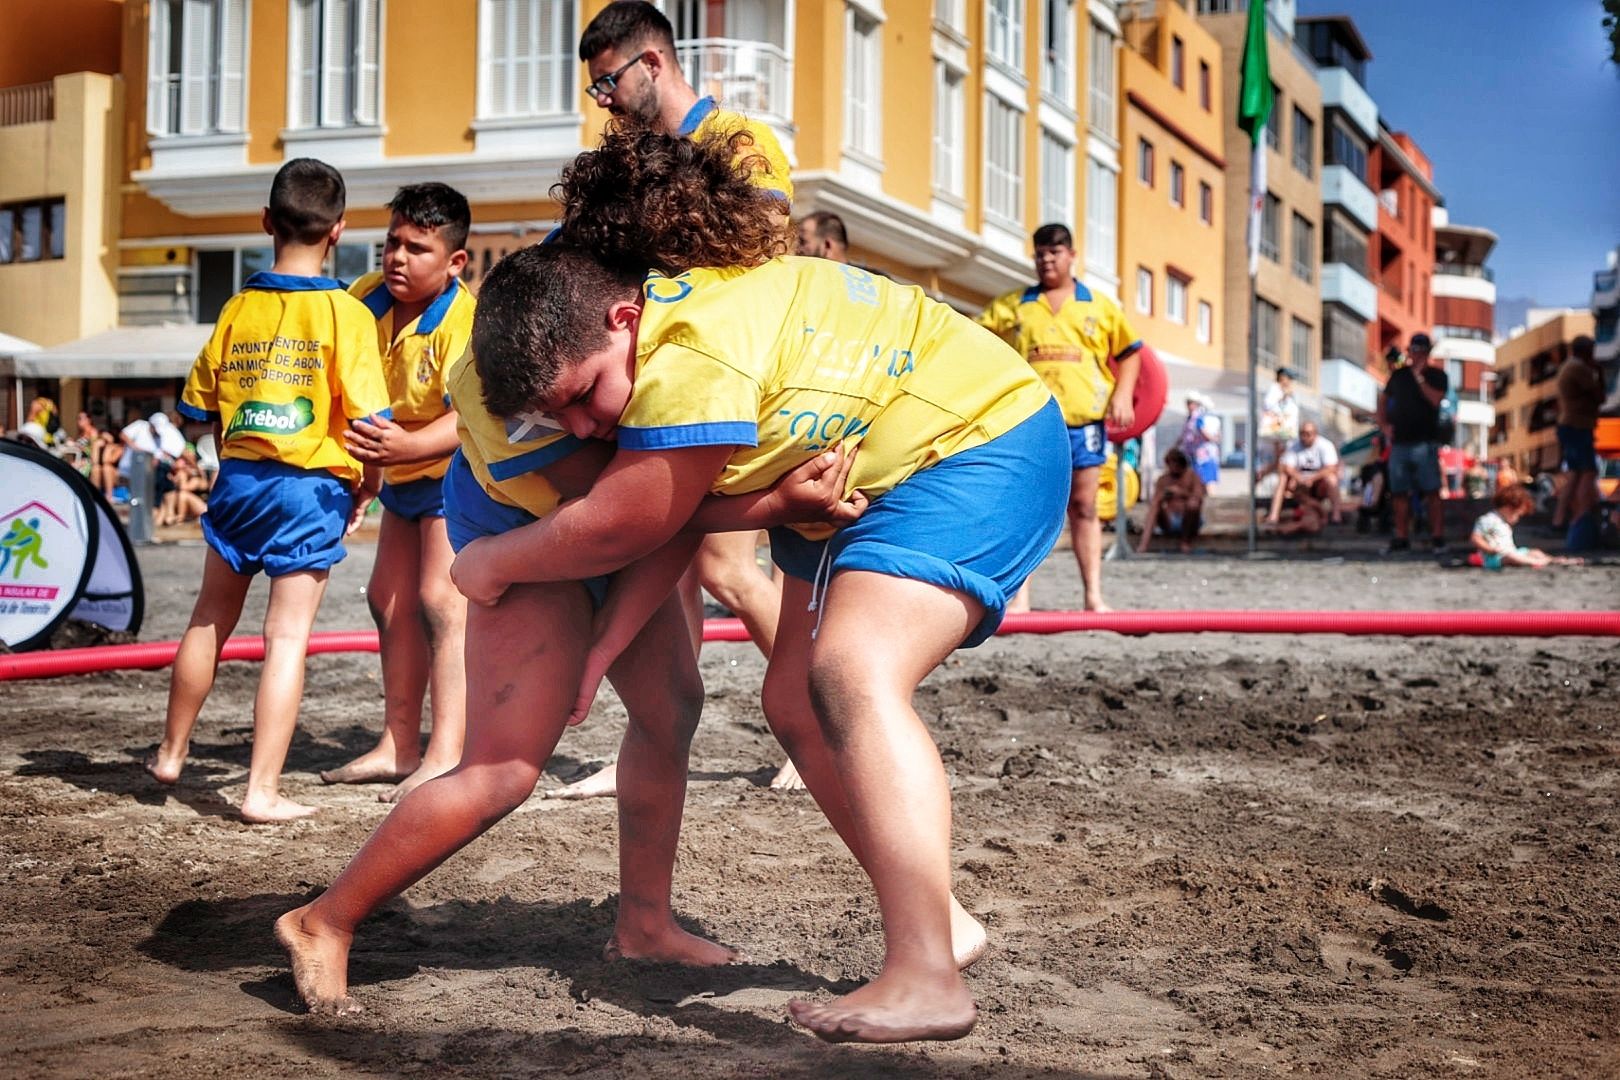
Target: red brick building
(1401,255)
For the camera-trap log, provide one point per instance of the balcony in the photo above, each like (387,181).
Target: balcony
(1342,187)
(31,104)
(1390,200)
(752,77)
(1348,383)
(1453,343)
(1341,90)
(1343,285)
(1461,270)
(1463,282)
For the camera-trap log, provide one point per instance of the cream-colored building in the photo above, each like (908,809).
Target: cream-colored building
(1526,391)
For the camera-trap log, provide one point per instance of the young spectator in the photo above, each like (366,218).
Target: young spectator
(1492,537)
(1201,437)
(42,411)
(304,362)
(1279,418)
(1178,502)
(1308,471)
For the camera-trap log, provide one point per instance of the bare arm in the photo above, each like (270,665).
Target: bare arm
(812,492)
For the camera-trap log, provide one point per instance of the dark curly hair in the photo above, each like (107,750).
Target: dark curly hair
(670,203)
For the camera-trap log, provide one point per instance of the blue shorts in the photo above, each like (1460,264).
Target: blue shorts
(469,513)
(979,522)
(414,499)
(1578,448)
(276,518)
(1088,445)
(1414,467)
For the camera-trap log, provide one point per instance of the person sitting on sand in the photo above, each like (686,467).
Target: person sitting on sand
(1178,502)
(1492,536)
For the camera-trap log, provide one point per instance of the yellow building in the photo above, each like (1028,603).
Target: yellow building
(1526,388)
(1173,198)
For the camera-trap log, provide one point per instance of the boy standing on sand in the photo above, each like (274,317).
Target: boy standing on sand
(292,357)
(424,320)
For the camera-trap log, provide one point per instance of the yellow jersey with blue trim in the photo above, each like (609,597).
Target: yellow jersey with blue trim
(291,360)
(1069,348)
(768,169)
(505,454)
(787,359)
(415,358)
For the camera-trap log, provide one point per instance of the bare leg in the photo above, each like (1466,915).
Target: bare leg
(294,599)
(1085,528)
(1285,480)
(524,660)
(879,638)
(393,596)
(1020,602)
(1402,503)
(727,567)
(1437,519)
(219,606)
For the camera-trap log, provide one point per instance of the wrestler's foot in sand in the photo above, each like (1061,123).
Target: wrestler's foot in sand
(271,809)
(787,778)
(320,963)
(165,764)
(602,784)
(969,942)
(375,766)
(891,1009)
(427,772)
(668,945)
(1097,606)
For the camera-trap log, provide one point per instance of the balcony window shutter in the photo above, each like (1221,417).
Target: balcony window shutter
(495,75)
(196,56)
(157,71)
(368,61)
(554,64)
(232,62)
(527,41)
(337,54)
(306,62)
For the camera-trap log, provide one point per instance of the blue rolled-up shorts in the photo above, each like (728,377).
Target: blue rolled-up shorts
(1578,448)
(1088,445)
(1414,467)
(978,523)
(270,517)
(469,513)
(414,499)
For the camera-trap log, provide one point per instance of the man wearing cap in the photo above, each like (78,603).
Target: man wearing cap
(1409,413)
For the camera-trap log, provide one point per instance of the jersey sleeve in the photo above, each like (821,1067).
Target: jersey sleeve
(683,397)
(1001,316)
(200,399)
(1122,340)
(358,365)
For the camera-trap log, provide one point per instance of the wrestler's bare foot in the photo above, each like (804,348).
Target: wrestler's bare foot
(969,942)
(320,962)
(165,764)
(427,772)
(602,784)
(375,766)
(271,809)
(1097,606)
(892,1009)
(787,778)
(668,945)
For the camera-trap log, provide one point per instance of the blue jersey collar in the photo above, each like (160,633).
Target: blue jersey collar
(696,115)
(380,301)
(264,279)
(1081,293)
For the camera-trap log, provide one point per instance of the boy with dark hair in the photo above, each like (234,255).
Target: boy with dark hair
(292,358)
(424,318)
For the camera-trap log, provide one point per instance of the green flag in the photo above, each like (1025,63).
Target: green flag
(1254,90)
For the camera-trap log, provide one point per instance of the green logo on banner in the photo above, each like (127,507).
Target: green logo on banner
(265,418)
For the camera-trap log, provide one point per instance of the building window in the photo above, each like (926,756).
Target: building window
(1344,335)
(948,128)
(1219,7)
(196,54)
(1004,33)
(1178,62)
(949,13)
(1299,348)
(1206,203)
(335,48)
(33,231)
(1206,322)
(1144,290)
(1175,298)
(1178,184)
(1304,248)
(1144,161)
(1057,54)
(1304,142)
(1274,121)
(527,65)
(862,78)
(1003,161)
(1102,210)
(1270,225)
(1267,316)
(1345,243)
(1205,98)
(1103,114)
(1057,180)
(1347,148)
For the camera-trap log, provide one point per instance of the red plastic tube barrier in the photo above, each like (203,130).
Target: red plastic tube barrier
(159,654)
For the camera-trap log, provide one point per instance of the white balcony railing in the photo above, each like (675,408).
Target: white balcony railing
(751,77)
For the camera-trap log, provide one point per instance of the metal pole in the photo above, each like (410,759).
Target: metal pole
(1122,520)
(141,486)
(1252,456)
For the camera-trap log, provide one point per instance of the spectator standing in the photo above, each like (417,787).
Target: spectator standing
(1279,418)
(1178,502)
(1409,412)
(1201,437)
(1580,396)
(1308,470)
(822,236)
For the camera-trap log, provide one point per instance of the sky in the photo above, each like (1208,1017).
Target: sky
(1518,109)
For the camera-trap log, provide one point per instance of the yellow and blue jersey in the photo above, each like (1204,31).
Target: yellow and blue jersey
(832,354)
(1069,348)
(415,359)
(769,167)
(291,361)
(505,454)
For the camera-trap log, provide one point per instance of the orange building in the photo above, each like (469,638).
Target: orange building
(1401,259)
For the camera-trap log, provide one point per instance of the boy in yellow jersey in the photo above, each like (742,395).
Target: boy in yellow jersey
(424,319)
(629,52)
(1068,334)
(292,359)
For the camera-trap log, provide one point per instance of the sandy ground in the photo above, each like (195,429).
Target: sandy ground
(1196,855)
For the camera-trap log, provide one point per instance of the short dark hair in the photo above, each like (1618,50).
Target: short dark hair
(1053,235)
(307,198)
(828,226)
(435,206)
(1176,456)
(632,23)
(539,311)
(1582,347)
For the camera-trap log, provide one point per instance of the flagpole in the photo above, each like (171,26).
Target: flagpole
(1251,457)
(1255,99)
